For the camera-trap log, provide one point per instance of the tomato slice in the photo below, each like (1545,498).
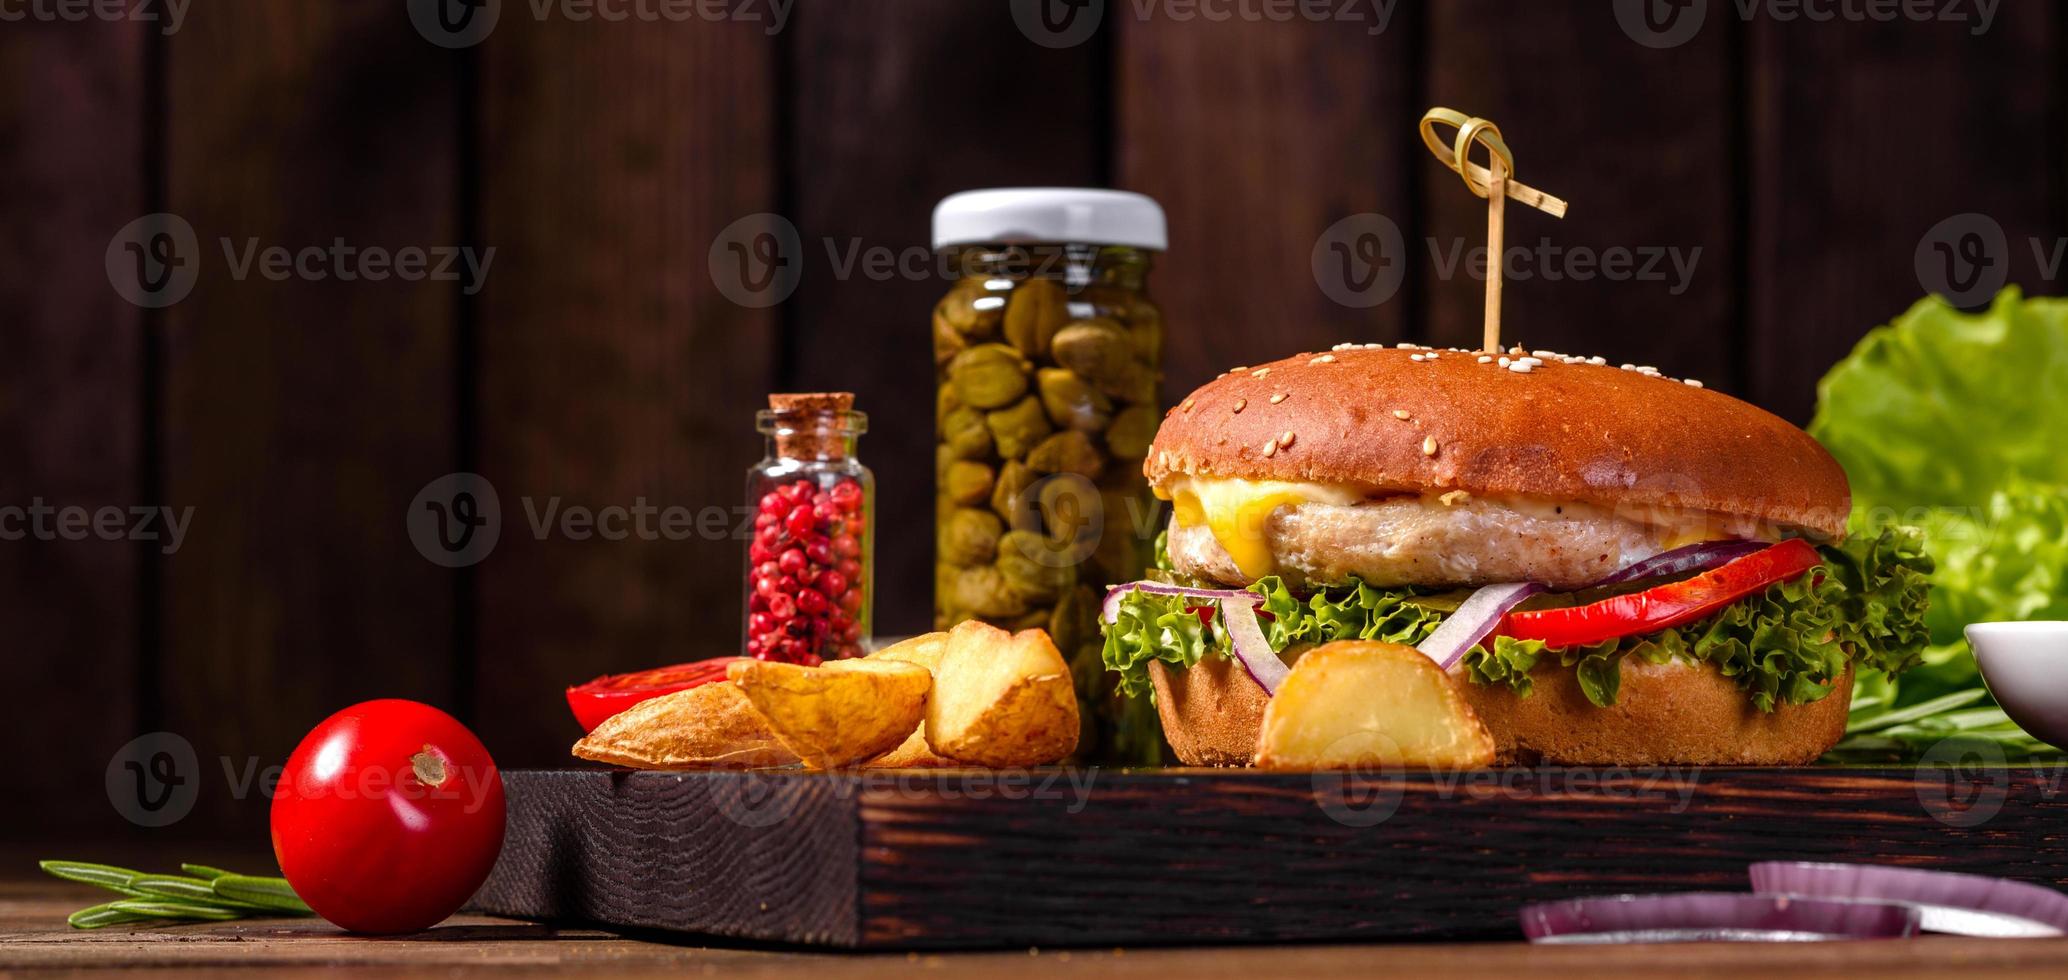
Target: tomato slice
(1665,606)
(597,700)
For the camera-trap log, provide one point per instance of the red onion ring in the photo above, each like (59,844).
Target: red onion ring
(1948,902)
(1247,639)
(1475,618)
(1691,558)
(1714,917)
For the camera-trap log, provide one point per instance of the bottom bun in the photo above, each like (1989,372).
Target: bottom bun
(1676,713)
(1211,711)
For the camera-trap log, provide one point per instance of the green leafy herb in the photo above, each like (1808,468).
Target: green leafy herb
(1951,421)
(207,893)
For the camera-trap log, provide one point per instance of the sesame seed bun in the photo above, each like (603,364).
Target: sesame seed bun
(1565,430)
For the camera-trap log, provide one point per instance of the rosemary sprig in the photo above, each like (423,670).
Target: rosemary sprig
(204,893)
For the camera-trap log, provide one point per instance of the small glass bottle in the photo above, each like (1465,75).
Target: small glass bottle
(810,568)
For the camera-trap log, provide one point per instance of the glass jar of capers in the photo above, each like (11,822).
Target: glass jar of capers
(1048,354)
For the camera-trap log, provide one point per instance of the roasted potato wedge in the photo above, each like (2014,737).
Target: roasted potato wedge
(1358,704)
(712,726)
(914,753)
(924,650)
(839,713)
(1001,699)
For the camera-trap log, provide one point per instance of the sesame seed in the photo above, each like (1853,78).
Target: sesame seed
(1531,361)
(1403,346)
(1238,367)
(1416,357)
(1241,403)
(1505,362)
(1402,414)
(1270,447)
(1597,360)
(1260,372)
(1486,358)
(1692,383)
(1286,439)
(1429,446)
(1324,359)
(1275,399)
(1522,367)
(1187,406)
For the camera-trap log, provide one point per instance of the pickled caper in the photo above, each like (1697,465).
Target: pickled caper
(1009,495)
(944,401)
(967,482)
(1034,566)
(1136,384)
(1071,510)
(982,591)
(1033,314)
(946,341)
(966,434)
(969,536)
(1132,429)
(968,311)
(1098,350)
(1071,402)
(1016,430)
(989,375)
(1145,331)
(1067,452)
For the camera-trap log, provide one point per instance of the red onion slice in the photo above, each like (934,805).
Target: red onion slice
(1948,902)
(1247,639)
(1714,917)
(1110,610)
(1691,558)
(1476,617)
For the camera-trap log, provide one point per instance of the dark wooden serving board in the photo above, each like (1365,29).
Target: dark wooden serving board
(1089,857)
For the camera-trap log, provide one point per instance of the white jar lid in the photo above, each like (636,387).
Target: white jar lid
(1049,214)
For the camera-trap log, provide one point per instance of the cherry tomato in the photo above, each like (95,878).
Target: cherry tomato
(607,695)
(1665,606)
(388,817)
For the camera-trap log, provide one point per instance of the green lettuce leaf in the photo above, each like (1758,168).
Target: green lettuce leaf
(1952,422)
(1789,644)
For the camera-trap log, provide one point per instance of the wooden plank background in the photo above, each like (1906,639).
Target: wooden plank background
(601,364)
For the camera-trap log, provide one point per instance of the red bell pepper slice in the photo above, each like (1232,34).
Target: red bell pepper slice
(1664,606)
(597,700)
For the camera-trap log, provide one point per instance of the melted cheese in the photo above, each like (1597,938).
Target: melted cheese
(1239,511)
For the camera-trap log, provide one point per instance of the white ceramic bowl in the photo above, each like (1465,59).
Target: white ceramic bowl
(2026,668)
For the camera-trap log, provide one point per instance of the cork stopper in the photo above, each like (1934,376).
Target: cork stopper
(812,425)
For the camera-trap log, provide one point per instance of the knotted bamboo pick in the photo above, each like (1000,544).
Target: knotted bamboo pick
(1496,183)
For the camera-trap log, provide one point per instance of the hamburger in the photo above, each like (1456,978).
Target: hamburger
(1614,567)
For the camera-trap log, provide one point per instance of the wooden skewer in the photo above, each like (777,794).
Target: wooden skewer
(1496,199)
(1496,183)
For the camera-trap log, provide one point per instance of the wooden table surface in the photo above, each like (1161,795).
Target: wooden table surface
(34,937)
